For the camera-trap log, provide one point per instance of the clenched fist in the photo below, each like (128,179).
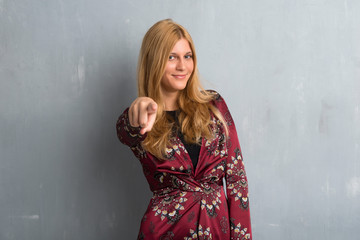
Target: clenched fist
(142,112)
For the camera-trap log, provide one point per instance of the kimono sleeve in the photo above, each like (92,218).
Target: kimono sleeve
(126,133)
(236,181)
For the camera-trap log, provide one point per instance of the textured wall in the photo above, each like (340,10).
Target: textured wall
(289,70)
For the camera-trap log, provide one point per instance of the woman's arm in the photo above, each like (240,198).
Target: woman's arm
(236,181)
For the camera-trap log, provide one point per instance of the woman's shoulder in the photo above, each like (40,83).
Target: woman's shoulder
(217,99)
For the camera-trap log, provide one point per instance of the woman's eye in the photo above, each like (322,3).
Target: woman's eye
(188,56)
(171,57)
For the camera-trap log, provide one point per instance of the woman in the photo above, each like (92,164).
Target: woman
(187,143)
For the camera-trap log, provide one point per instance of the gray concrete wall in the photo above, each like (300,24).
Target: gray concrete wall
(289,70)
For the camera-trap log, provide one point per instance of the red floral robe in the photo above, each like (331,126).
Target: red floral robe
(188,204)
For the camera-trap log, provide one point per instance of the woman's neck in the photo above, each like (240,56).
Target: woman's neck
(170,100)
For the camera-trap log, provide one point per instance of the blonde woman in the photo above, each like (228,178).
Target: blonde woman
(187,144)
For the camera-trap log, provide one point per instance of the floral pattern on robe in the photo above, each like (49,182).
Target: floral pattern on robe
(188,203)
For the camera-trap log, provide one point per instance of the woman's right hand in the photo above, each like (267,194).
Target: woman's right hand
(142,112)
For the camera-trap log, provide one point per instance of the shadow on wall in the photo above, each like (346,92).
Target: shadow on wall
(129,192)
(123,186)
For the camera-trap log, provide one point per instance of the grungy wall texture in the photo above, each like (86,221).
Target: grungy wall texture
(289,70)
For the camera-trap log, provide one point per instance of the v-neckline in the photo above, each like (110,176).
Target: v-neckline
(193,171)
(180,141)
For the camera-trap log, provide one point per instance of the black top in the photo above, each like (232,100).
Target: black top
(192,148)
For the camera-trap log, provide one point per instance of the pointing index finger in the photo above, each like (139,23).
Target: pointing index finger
(152,107)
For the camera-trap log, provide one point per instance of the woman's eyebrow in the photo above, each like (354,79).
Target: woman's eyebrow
(173,53)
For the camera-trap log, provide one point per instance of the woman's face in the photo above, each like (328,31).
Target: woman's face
(178,69)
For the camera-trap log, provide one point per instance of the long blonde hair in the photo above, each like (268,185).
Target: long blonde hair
(193,101)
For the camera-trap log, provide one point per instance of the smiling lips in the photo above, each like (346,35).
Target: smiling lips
(182,76)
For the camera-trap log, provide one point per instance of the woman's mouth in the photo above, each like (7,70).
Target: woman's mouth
(180,76)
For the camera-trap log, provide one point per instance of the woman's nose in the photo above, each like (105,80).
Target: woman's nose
(180,64)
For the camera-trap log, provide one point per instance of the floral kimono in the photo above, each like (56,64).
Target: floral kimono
(188,203)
